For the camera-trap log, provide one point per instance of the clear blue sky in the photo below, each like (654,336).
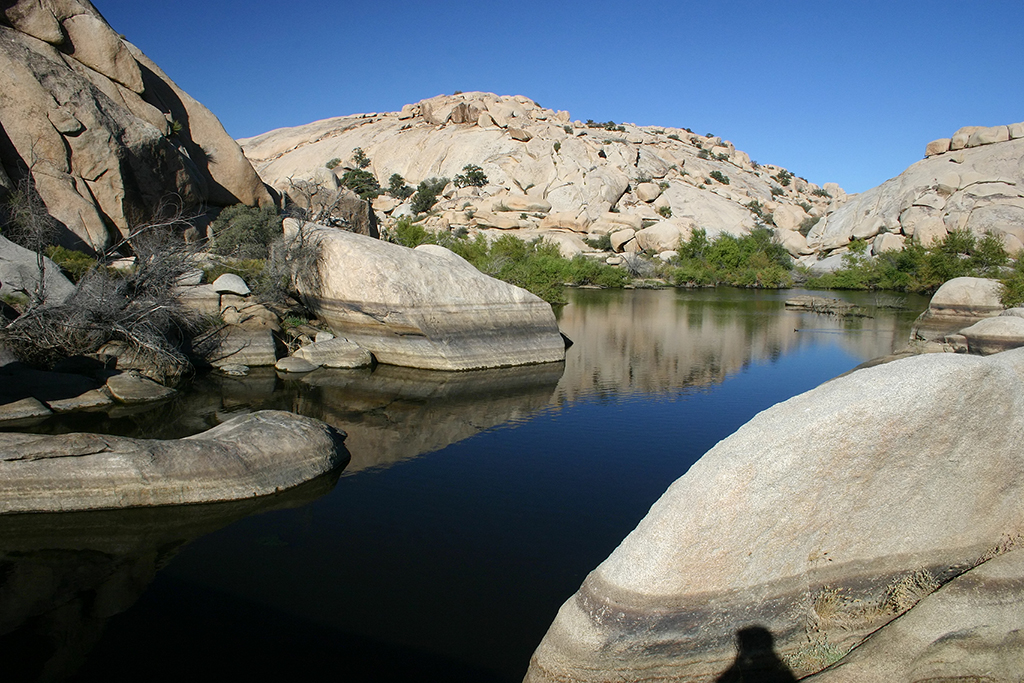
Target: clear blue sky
(848,92)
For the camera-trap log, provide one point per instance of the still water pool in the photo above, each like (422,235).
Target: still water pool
(473,506)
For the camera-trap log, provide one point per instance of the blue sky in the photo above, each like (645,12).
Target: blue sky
(848,92)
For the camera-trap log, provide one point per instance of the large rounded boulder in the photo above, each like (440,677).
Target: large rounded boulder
(248,456)
(425,307)
(820,520)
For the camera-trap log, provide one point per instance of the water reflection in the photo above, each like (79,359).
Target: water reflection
(658,341)
(63,577)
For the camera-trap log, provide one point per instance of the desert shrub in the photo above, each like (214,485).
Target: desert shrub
(784,177)
(568,129)
(245,232)
(250,270)
(426,194)
(777,191)
(754,260)
(673,136)
(720,177)
(557,146)
(722,156)
(600,242)
(333,163)
(665,211)
(361,182)
(1013,286)
(756,208)
(807,224)
(75,264)
(917,269)
(821,192)
(703,154)
(471,176)
(410,234)
(397,187)
(359,156)
(805,206)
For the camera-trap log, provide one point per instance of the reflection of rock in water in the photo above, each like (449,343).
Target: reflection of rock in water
(63,576)
(658,341)
(399,413)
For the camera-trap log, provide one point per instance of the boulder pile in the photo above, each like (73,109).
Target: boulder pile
(547,175)
(102,133)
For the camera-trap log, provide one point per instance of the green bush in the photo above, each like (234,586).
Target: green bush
(720,177)
(557,146)
(665,211)
(600,243)
(776,191)
(333,163)
(703,154)
(471,176)
(75,264)
(917,269)
(251,270)
(567,128)
(397,187)
(362,183)
(821,192)
(410,234)
(359,156)
(426,194)
(673,136)
(784,177)
(754,260)
(807,224)
(244,231)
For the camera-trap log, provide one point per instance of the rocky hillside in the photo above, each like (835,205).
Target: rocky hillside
(548,175)
(102,132)
(973,181)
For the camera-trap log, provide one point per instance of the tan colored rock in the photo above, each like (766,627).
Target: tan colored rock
(826,515)
(520,134)
(619,238)
(956,304)
(887,242)
(940,146)
(566,220)
(240,346)
(251,455)
(90,400)
(788,217)
(386,203)
(662,236)
(335,353)
(1016,130)
(294,364)
(132,388)
(988,136)
(793,242)
(202,298)
(24,409)
(968,630)
(523,204)
(569,244)
(960,138)
(486,219)
(610,222)
(993,335)
(647,192)
(426,307)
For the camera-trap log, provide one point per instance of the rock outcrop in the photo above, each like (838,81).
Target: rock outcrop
(973,181)
(821,520)
(971,629)
(425,307)
(104,135)
(545,172)
(958,303)
(251,455)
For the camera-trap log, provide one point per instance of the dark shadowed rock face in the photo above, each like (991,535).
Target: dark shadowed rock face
(251,455)
(103,133)
(820,520)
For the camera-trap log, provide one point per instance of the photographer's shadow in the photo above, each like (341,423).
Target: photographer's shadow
(756,661)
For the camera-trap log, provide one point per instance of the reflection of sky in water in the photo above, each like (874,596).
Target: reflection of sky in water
(450,566)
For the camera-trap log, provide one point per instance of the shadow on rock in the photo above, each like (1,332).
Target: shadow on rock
(756,661)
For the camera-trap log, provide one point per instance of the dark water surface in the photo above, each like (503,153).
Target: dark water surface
(473,506)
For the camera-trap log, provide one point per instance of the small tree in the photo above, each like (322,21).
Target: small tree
(362,183)
(359,156)
(426,194)
(397,187)
(471,176)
